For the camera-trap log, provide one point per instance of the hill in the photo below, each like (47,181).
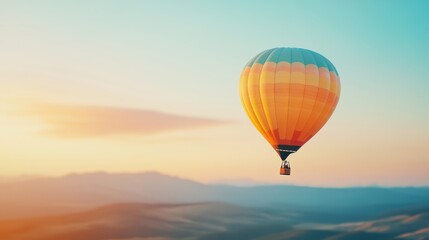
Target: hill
(47,196)
(132,221)
(136,220)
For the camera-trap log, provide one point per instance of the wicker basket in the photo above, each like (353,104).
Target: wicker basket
(284,171)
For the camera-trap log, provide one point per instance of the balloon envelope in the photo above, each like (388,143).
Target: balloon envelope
(289,94)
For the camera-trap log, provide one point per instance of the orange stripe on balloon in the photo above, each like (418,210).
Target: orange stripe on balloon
(283,66)
(298,67)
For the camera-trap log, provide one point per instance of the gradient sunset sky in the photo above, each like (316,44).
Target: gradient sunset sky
(134,86)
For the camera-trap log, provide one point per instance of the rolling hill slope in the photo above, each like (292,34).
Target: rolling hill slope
(205,221)
(46,196)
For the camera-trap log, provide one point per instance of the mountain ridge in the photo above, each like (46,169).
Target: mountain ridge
(78,192)
(241,182)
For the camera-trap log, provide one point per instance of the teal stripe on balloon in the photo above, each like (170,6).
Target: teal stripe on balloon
(292,55)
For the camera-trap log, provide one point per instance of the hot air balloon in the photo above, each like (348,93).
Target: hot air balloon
(289,94)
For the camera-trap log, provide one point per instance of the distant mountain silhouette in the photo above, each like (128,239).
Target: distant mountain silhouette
(72,193)
(132,221)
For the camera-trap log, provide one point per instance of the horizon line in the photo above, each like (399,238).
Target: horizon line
(4,179)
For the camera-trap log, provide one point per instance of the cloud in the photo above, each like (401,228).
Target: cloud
(79,121)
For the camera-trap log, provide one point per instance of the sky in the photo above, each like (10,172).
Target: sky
(135,86)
